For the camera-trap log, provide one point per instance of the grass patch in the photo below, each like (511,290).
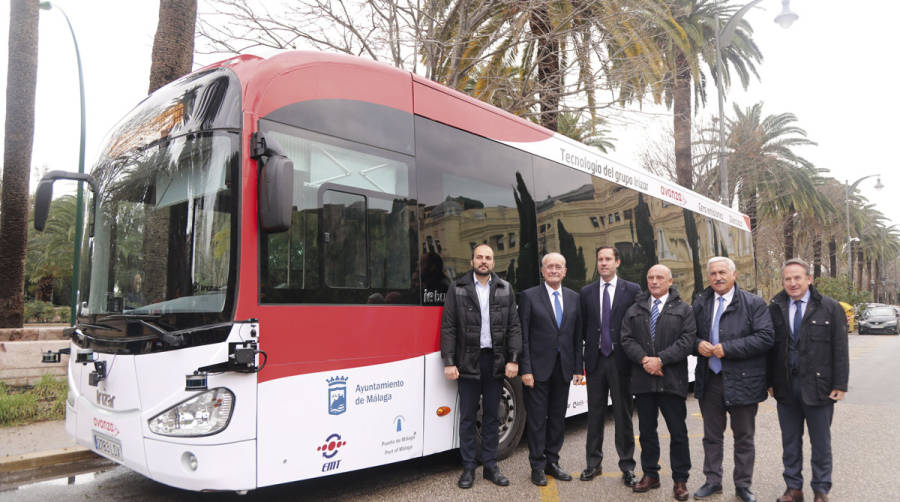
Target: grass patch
(46,400)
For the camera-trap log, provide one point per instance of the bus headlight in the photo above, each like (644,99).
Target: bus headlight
(201,415)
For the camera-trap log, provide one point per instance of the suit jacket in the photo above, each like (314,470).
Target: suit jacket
(591,295)
(543,340)
(823,353)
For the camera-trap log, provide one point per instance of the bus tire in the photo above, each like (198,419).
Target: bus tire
(511,416)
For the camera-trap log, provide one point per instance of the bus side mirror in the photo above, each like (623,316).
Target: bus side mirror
(276,191)
(42,197)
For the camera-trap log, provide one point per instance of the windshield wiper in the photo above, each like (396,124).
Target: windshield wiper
(166,337)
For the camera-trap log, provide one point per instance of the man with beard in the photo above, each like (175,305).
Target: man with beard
(481,342)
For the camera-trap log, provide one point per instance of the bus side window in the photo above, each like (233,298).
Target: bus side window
(344,239)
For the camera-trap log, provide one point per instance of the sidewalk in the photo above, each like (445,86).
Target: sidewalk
(39,437)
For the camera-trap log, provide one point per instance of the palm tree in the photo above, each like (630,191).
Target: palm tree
(590,132)
(49,254)
(686,41)
(767,175)
(21,79)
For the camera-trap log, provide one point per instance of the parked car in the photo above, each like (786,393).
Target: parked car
(882,319)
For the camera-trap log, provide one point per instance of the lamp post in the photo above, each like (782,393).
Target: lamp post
(79,210)
(723,40)
(850,239)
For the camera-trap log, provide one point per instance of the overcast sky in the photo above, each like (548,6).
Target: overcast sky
(834,68)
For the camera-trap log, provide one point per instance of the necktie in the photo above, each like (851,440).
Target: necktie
(715,364)
(605,339)
(798,318)
(654,315)
(558,308)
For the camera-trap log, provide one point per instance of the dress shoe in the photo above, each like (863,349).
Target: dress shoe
(466,479)
(791,495)
(556,471)
(646,484)
(589,473)
(679,490)
(820,497)
(629,478)
(707,490)
(744,493)
(494,476)
(538,478)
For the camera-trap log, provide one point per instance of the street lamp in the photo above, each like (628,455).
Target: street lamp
(79,211)
(723,40)
(850,239)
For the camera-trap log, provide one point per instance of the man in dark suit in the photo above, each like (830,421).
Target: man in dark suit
(734,335)
(658,333)
(551,336)
(603,305)
(481,342)
(808,371)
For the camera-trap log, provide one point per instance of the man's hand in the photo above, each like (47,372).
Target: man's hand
(512,369)
(652,365)
(719,351)
(451,372)
(837,395)
(528,380)
(577,379)
(705,348)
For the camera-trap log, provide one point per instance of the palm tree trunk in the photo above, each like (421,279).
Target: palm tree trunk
(877,289)
(21,80)
(817,255)
(788,234)
(859,269)
(681,106)
(549,81)
(43,290)
(173,45)
(869,273)
(832,257)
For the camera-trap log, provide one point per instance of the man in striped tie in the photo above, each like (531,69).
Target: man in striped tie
(658,333)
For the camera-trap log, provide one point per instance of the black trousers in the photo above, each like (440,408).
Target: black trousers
(602,383)
(818,421)
(743,425)
(546,408)
(470,390)
(674,411)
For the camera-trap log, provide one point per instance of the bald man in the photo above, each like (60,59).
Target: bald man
(658,333)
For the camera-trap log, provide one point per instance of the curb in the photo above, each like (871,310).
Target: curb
(18,470)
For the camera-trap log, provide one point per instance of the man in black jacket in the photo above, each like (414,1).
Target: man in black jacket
(658,333)
(481,341)
(603,305)
(808,372)
(734,335)
(551,335)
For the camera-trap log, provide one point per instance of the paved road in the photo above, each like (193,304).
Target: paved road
(865,439)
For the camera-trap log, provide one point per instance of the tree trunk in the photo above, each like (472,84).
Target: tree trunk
(877,281)
(832,257)
(817,255)
(859,269)
(173,45)
(43,291)
(788,234)
(549,79)
(869,280)
(681,106)
(173,55)
(21,80)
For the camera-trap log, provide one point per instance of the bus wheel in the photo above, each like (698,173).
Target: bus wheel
(511,416)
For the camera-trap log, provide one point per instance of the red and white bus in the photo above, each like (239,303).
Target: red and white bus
(268,250)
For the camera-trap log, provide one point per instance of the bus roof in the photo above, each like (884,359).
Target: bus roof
(338,76)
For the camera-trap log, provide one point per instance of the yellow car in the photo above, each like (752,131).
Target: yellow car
(849,311)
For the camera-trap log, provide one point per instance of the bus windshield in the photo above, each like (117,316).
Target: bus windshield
(163,233)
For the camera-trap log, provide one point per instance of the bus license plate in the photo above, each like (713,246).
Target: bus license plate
(108,446)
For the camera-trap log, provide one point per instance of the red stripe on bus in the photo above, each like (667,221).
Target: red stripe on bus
(302,339)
